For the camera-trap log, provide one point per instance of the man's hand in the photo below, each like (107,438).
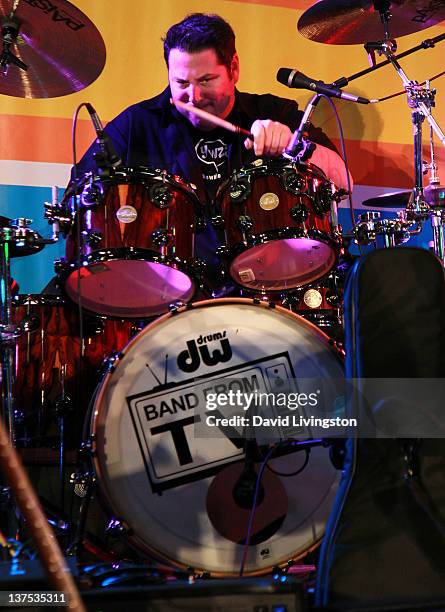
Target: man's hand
(270,137)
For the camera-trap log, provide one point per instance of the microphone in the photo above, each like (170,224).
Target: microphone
(298,80)
(108,156)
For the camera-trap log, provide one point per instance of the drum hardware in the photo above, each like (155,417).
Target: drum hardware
(17,240)
(394,232)
(317,23)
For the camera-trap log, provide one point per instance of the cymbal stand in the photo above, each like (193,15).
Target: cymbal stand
(420,100)
(8,332)
(435,196)
(18,237)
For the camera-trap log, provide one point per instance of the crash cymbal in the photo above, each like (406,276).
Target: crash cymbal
(62,49)
(349,22)
(398,199)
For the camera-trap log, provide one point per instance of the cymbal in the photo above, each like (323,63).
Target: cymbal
(398,199)
(349,22)
(62,48)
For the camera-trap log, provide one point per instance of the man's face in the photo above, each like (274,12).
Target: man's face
(200,80)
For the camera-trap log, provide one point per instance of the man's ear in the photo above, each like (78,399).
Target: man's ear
(234,68)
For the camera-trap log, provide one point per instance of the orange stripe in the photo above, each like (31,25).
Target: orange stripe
(43,139)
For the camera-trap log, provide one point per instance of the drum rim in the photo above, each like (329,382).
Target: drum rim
(93,421)
(67,268)
(272,164)
(133,175)
(244,247)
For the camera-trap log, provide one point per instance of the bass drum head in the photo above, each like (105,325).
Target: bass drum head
(176,491)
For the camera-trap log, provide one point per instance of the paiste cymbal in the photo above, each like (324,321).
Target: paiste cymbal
(350,22)
(62,48)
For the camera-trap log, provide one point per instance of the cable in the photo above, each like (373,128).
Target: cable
(76,209)
(344,157)
(300,469)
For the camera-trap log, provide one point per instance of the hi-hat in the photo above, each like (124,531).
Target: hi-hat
(61,48)
(349,22)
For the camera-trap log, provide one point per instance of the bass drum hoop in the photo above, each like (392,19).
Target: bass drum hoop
(94,421)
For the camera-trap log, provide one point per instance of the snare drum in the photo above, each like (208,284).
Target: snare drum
(278,228)
(137,232)
(173,490)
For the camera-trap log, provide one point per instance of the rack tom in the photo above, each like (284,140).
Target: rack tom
(278,228)
(131,249)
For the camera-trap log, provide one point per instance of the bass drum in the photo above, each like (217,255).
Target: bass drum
(174,488)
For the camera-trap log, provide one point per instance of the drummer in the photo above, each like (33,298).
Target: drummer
(203,70)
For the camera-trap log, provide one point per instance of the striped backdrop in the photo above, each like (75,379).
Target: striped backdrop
(35,143)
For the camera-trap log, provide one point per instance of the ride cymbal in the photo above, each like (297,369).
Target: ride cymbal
(62,49)
(349,22)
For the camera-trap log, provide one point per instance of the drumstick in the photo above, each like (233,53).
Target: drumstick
(217,121)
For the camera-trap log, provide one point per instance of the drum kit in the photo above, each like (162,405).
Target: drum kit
(134,298)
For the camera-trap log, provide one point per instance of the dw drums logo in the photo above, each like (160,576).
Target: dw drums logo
(198,351)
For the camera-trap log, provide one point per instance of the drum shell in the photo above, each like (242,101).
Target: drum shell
(132,188)
(51,371)
(272,196)
(106,424)
(137,225)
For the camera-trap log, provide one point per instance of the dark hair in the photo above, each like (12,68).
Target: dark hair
(200,31)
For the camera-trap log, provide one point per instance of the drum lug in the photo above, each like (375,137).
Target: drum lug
(244,223)
(86,448)
(217,221)
(324,197)
(117,528)
(92,237)
(175,306)
(160,195)
(59,265)
(240,190)
(200,224)
(197,264)
(108,365)
(294,182)
(92,194)
(161,237)
(333,299)
(223,251)
(299,213)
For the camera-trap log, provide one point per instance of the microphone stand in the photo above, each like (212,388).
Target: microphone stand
(299,147)
(428,43)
